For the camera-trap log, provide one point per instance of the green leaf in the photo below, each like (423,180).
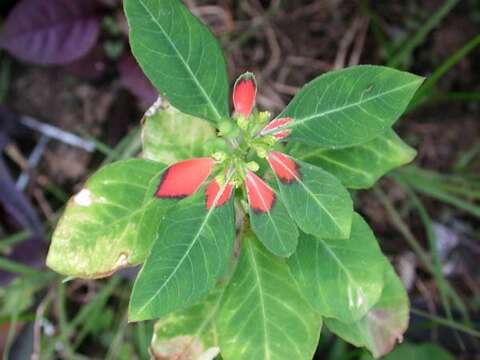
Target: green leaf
(190,252)
(275,229)
(180,56)
(360,166)
(169,135)
(341,279)
(189,333)
(318,202)
(263,315)
(384,324)
(110,223)
(350,106)
(424,351)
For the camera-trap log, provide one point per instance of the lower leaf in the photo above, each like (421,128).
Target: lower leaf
(341,278)
(192,248)
(425,351)
(360,166)
(189,333)
(169,135)
(384,324)
(101,230)
(263,315)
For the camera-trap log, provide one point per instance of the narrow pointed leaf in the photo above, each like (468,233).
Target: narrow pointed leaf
(341,279)
(273,225)
(383,326)
(350,106)
(263,315)
(169,135)
(180,56)
(315,199)
(189,333)
(360,166)
(110,223)
(190,252)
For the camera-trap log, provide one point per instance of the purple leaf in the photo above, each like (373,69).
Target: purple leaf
(133,79)
(51,31)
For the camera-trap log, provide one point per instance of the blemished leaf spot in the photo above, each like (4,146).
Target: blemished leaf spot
(83,198)
(384,324)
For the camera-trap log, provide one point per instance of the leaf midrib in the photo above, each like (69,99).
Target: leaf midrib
(261,298)
(185,64)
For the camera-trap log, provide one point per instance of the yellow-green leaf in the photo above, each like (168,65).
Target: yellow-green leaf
(110,223)
(169,135)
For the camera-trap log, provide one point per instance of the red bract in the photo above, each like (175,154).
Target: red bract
(277,128)
(212,194)
(261,197)
(284,167)
(184,178)
(244,93)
